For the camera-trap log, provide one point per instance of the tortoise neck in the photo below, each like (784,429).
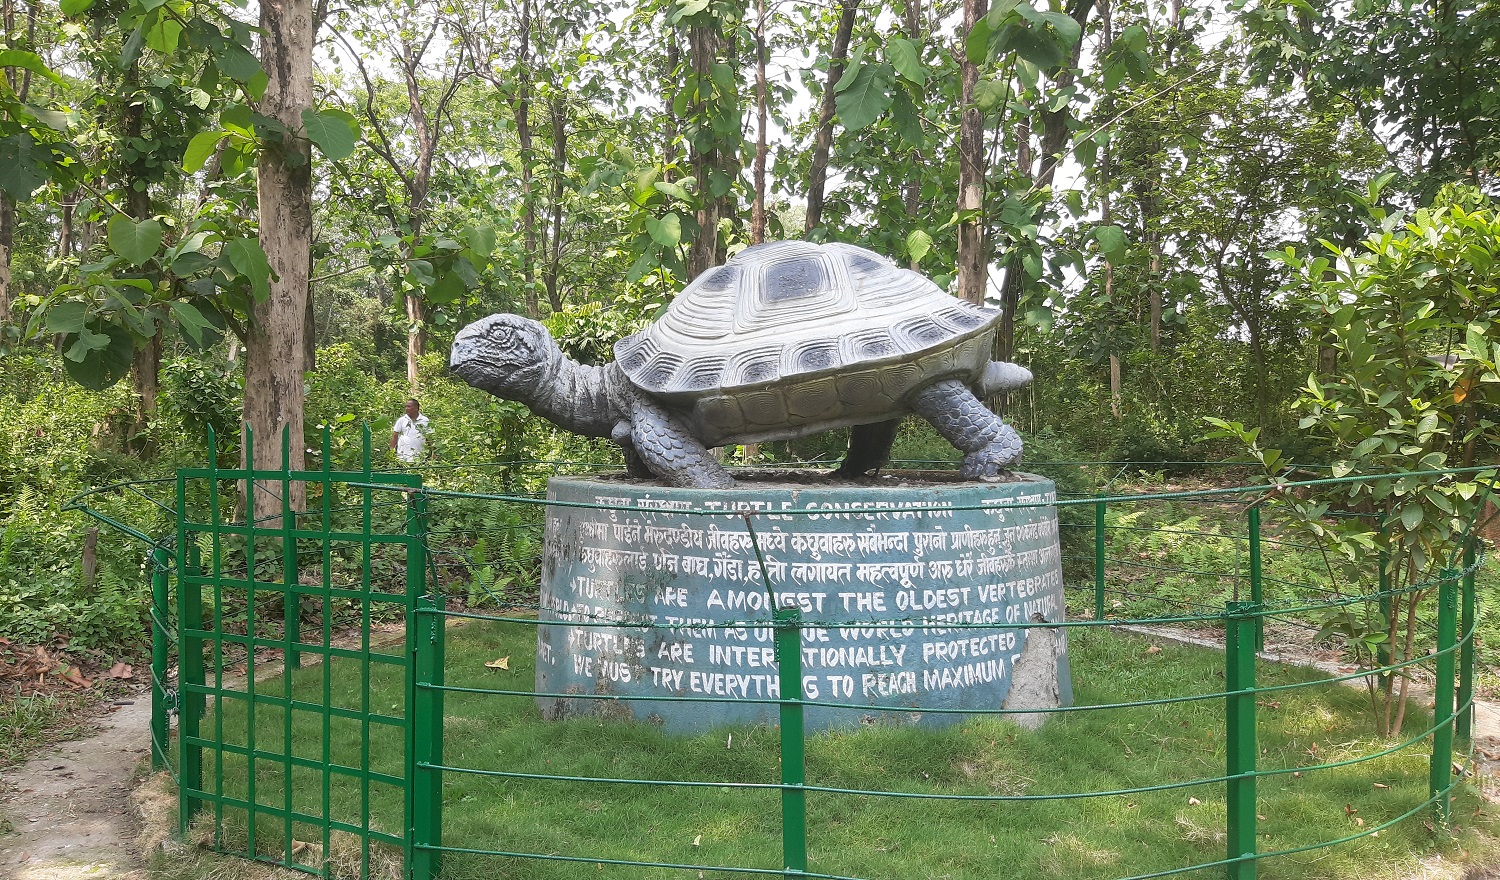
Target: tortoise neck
(577,397)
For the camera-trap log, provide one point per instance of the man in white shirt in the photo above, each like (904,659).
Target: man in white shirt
(409,434)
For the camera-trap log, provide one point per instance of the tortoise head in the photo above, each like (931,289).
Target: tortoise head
(507,355)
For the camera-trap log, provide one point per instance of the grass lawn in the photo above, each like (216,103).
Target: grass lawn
(864,835)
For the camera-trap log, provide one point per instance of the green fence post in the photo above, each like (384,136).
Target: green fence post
(1257,582)
(161,599)
(1441,771)
(1239,724)
(291,596)
(1467,608)
(793,751)
(190,699)
(424,706)
(1098,560)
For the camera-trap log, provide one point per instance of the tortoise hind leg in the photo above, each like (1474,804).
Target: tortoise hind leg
(988,444)
(869,448)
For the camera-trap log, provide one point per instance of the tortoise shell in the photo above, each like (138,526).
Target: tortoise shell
(792,337)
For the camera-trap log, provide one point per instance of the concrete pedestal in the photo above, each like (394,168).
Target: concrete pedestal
(905,588)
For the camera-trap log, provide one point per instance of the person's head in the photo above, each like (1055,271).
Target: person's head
(413,409)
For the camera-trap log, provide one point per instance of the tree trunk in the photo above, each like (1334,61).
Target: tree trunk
(416,334)
(559,114)
(522,109)
(911,190)
(7,244)
(7,205)
(274,347)
(145,361)
(973,262)
(704,43)
(65,229)
(758,208)
(817,175)
(1116,386)
(670,85)
(145,385)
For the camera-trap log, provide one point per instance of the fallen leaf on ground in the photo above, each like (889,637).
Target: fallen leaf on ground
(121,670)
(502,663)
(1193,802)
(1154,649)
(697,840)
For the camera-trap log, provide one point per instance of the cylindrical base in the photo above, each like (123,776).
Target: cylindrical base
(909,591)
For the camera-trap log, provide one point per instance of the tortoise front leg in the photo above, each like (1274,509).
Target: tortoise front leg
(634,464)
(670,451)
(989,445)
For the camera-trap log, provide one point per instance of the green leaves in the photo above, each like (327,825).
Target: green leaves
(98,355)
(247,258)
(1112,242)
(28,61)
(918,244)
(1045,39)
(334,131)
(66,317)
(23,166)
(905,57)
(866,96)
(200,148)
(665,231)
(137,242)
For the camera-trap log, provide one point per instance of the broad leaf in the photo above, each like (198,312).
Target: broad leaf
(199,149)
(250,261)
(867,98)
(137,242)
(918,244)
(164,35)
(905,57)
(447,289)
(74,7)
(1034,44)
(480,239)
(28,61)
(190,320)
(22,168)
(670,188)
(237,62)
(67,317)
(99,355)
(908,122)
(667,231)
(332,130)
(1000,10)
(1112,242)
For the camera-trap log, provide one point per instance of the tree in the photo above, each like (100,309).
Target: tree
(1413,314)
(275,345)
(1415,74)
(411,37)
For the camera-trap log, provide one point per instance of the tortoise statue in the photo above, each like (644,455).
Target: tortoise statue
(784,340)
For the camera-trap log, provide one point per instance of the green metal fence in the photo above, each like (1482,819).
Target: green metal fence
(386,566)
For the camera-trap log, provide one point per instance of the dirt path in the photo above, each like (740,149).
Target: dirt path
(70,808)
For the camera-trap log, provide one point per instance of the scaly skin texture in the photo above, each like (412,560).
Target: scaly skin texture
(515,358)
(967,423)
